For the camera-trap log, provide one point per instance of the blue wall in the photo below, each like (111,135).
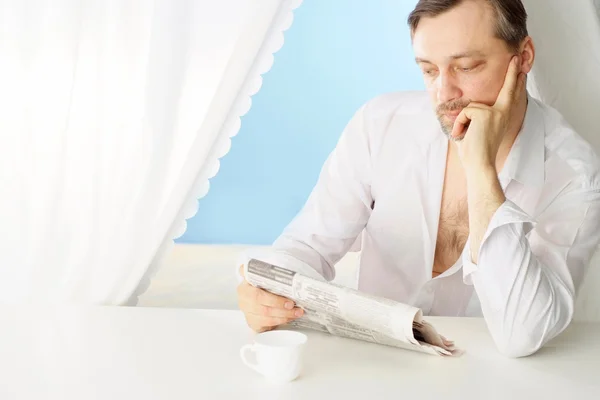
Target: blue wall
(337,55)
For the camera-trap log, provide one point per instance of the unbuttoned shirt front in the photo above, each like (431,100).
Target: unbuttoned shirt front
(383,184)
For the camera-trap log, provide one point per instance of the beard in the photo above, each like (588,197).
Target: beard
(446,122)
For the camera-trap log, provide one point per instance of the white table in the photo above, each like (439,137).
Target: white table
(144,353)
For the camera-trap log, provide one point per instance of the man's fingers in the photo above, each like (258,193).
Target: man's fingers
(508,92)
(474,104)
(271,300)
(264,310)
(270,305)
(460,126)
(272,312)
(261,302)
(242,273)
(462,122)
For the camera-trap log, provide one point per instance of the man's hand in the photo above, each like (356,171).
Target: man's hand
(478,148)
(263,310)
(479,128)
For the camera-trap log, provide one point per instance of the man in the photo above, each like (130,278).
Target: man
(490,205)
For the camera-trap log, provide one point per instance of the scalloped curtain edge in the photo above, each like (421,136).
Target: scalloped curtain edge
(249,88)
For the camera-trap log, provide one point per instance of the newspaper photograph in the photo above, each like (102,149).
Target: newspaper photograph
(346,312)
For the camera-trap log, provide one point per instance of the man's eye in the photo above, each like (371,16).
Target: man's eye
(466,69)
(429,72)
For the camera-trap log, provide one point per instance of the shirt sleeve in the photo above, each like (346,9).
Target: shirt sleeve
(530,270)
(335,213)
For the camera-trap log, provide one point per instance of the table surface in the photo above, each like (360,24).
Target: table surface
(153,353)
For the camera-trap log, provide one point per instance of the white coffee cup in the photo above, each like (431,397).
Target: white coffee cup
(278,354)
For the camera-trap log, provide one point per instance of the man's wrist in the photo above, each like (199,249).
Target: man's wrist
(484,196)
(483,186)
(481,173)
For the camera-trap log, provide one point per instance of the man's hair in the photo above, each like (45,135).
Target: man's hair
(511,17)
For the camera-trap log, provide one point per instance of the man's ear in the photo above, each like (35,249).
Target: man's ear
(527,54)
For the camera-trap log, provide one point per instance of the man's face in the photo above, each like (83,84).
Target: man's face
(461,59)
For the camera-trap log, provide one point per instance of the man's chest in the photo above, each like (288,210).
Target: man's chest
(452,234)
(453,224)
(419,214)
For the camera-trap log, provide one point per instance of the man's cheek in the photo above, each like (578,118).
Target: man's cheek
(481,91)
(492,87)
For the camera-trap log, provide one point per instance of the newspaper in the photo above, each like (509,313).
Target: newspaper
(346,312)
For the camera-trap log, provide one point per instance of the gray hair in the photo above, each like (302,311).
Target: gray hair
(511,17)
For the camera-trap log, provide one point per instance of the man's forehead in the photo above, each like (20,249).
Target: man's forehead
(450,46)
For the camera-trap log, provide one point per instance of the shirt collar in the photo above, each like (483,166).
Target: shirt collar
(525,162)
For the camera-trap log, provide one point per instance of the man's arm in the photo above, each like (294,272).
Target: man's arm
(527,278)
(334,215)
(479,131)
(484,196)
(336,211)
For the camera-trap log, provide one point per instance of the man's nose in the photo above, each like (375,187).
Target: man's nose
(448,88)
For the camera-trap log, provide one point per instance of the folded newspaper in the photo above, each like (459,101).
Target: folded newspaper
(346,312)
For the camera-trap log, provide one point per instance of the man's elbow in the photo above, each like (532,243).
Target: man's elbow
(523,339)
(516,348)
(524,332)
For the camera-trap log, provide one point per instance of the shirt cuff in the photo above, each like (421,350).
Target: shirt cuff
(508,213)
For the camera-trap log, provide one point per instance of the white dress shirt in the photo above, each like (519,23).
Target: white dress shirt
(383,183)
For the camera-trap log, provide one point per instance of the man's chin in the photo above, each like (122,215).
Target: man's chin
(446,127)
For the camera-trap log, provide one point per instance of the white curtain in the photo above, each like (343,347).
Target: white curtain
(113,114)
(566,75)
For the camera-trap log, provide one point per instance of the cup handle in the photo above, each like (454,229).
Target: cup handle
(243,354)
